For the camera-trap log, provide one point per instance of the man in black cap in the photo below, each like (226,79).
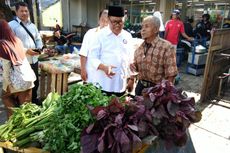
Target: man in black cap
(110,54)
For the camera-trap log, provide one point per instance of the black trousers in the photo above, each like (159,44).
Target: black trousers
(118,94)
(141,84)
(36,84)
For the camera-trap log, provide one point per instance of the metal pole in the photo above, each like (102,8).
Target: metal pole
(225,7)
(131,12)
(144,8)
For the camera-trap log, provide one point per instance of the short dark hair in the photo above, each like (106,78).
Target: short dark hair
(207,16)
(24,4)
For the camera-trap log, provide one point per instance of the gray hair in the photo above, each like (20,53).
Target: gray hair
(154,20)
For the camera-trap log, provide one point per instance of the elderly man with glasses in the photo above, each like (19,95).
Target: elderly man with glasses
(110,54)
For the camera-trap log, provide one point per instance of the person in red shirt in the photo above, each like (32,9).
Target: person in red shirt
(174,28)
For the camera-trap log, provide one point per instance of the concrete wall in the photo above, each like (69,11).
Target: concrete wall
(65,14)
(49,18)
(81,12)
(75,13)
(92,11)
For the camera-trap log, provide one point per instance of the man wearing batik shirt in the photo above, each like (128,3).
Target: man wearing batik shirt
(154,60)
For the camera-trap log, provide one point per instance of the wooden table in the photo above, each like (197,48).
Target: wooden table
(54,74)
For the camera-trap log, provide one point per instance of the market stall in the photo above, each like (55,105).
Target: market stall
(55,71)
(86,120)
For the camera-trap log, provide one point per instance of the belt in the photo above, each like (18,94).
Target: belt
(147,83)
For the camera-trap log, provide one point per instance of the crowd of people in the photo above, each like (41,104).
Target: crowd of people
(107,55)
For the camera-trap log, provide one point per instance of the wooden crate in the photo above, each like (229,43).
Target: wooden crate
(53,82)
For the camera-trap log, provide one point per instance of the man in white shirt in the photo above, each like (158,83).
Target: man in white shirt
(31,42)
(110,54)
(87,72)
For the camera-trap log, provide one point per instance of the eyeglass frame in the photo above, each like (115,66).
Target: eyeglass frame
(116,22)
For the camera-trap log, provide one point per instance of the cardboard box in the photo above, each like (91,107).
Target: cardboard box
(199,59)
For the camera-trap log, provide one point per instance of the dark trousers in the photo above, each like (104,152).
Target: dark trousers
(118,94)
(141,84)
(161,34)
(36,84)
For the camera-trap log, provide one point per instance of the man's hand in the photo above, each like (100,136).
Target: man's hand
(108,70)
(31,52)
(133,68)
(190,39)
(83,74)
(130,85)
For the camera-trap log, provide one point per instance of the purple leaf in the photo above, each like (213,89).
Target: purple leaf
(160,112)
(137,143)
(172,108)
(118,119)
(133,127)
(110,140)
(96,110)
(152,97)
(123,140)
(101,146)
(101,114)
(142,128)
(89,128)
(125,143)
(89,143)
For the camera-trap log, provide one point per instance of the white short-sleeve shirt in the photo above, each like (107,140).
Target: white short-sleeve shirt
(110,49)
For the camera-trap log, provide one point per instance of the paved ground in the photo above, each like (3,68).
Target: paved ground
(212,133)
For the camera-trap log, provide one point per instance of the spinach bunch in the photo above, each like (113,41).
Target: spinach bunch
(64,131)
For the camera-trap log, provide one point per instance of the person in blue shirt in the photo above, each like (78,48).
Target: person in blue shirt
(31,42)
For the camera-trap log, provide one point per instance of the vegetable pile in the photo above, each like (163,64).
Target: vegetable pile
(28,121)
(72,115)
(172,112)
(119,128)
(86,120)
(58,123)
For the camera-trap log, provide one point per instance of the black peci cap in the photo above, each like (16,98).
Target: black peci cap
(117,11)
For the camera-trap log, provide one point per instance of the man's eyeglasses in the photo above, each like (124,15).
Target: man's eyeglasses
(115,22)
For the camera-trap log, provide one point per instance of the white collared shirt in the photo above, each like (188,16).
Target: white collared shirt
(110,49)
(27,41)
